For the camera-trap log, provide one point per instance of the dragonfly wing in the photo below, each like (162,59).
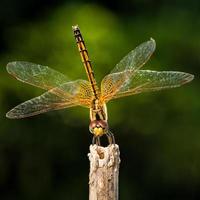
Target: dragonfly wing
(148,81)
(112,83)
(137,57)
(36,75)
(44,103)
(67,95)
(79,90)
(122,73)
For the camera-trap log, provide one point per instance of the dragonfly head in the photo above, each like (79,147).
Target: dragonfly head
(98,127)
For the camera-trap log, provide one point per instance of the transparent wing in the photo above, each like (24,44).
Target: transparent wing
(44,103)
(67,95)
(36,75)
(148,81)
(125,69)
(137,57)
(112,83)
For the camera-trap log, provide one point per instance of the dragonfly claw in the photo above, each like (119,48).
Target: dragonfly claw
(110,137)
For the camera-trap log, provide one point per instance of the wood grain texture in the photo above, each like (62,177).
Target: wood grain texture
(104,172)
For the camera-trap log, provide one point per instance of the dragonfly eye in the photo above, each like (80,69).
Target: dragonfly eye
(98,127)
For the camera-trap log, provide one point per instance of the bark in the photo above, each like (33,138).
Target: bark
(104,172)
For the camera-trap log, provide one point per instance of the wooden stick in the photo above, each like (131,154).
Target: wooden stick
(104,172)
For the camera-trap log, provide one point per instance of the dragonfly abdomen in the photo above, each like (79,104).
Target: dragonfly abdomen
(85,59)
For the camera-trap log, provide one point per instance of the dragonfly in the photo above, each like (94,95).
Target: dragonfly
(125,79)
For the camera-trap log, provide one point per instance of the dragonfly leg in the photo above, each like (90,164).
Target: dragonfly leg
(93,140)
(96,140)
(111,138)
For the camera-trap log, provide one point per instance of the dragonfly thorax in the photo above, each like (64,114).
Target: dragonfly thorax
(98,127)
(98,111)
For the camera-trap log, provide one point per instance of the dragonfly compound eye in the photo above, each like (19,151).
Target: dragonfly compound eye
(98,127)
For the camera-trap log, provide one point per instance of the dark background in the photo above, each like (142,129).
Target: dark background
(45,157)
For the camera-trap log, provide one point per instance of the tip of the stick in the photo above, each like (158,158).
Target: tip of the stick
(104,155)
(111,146)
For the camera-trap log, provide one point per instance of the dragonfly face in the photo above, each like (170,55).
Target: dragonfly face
(124,80)
(98,127)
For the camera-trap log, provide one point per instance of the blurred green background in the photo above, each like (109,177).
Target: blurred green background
(45,157)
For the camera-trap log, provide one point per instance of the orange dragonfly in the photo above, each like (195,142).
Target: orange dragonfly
(124,80)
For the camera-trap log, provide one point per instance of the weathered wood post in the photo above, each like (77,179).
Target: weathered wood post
(104,172)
